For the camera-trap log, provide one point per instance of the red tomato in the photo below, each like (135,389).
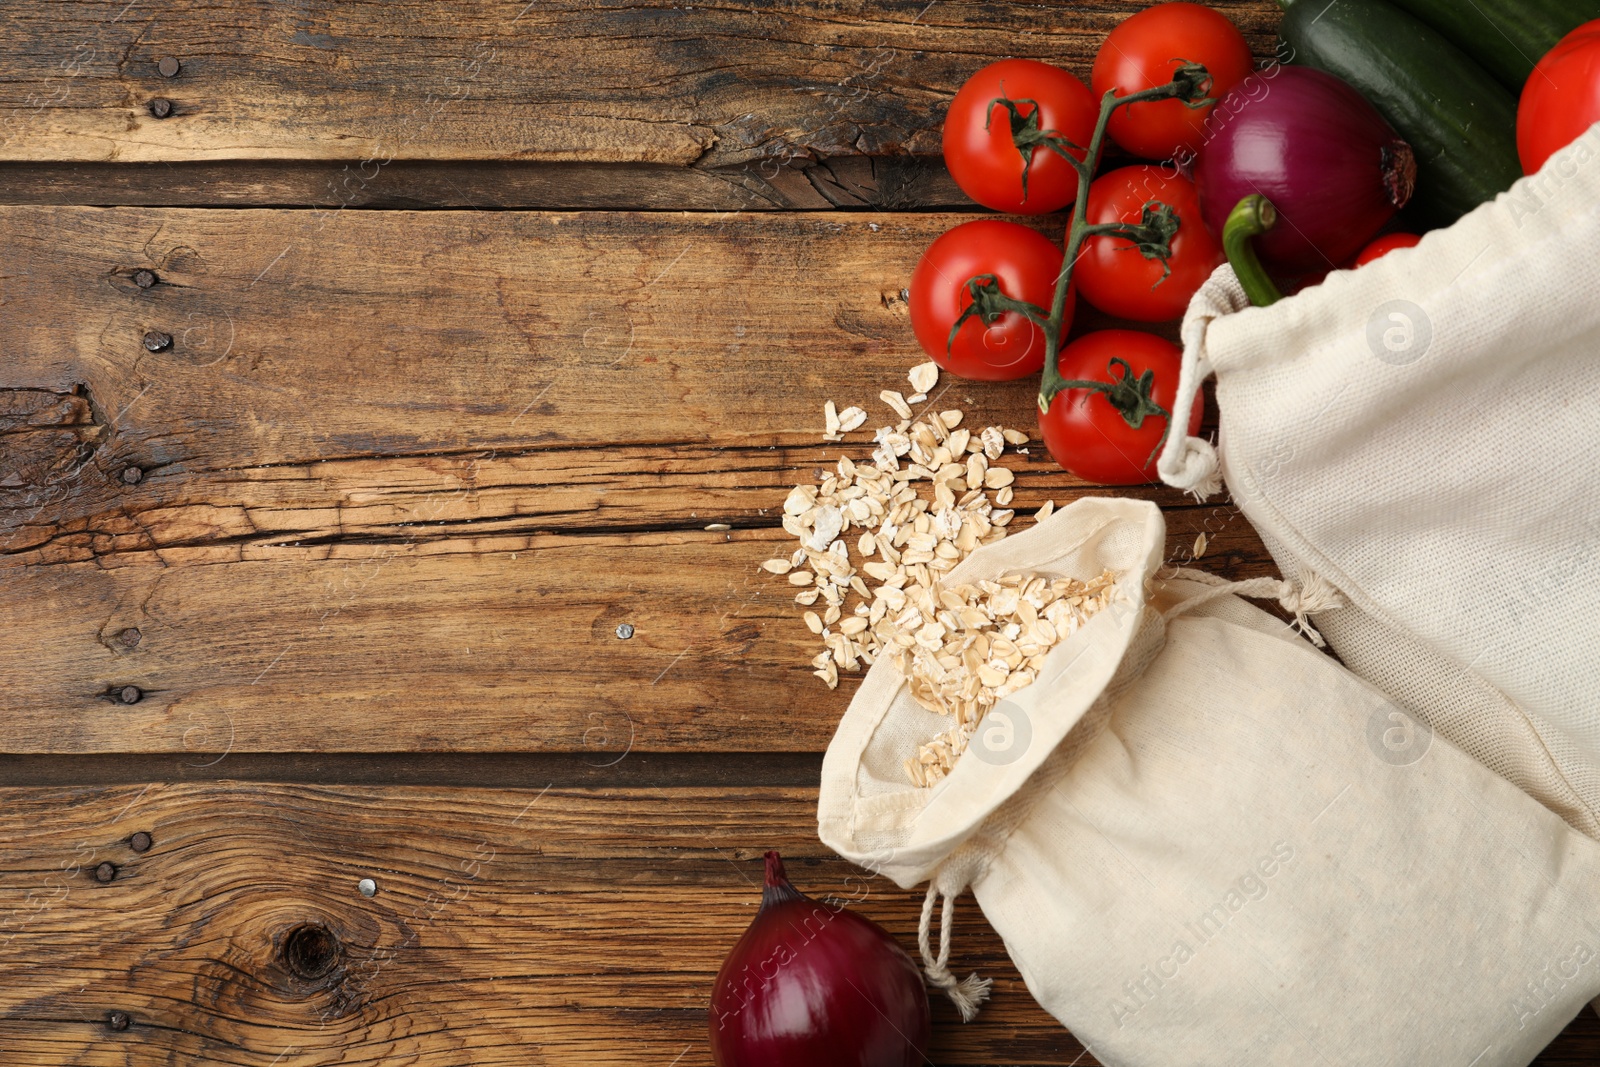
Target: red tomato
(1024,261)
(1114,276)
(1086,434)
(1143,51)
(1383,245)
(1561,98)
(982,154)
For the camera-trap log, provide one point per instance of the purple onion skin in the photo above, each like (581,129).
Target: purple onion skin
(1333,168)
(810,986)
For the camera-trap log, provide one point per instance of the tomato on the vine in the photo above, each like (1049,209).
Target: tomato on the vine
(1086,430)
(1382,246)
(1561,98)
(1113,273)
(1143,51)
(1008,157)
(992,347)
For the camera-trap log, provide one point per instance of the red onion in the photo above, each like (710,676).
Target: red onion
(814,985)
(1329,163)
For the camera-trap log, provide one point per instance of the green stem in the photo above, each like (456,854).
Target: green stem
(1190,84)
(1250,217)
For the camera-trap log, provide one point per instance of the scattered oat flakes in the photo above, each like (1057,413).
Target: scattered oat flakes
(1200,545)
(1045,512)
(719,526)
(924,376)
(921,507)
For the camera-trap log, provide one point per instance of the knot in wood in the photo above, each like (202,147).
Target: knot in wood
(310,951)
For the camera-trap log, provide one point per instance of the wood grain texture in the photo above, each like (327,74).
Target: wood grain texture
(403,474)
(886,183)
(572,80)
(510,927)
(527,926)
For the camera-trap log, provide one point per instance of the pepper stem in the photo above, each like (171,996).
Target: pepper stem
(1250,217)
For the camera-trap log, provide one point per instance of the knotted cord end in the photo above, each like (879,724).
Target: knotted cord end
(966,993)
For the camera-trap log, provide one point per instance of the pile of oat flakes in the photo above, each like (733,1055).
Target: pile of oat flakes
(922,505)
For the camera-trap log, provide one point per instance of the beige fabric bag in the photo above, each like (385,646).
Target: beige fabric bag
(1206,843)
(1421,433)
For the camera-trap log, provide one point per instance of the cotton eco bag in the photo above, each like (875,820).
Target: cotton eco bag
(1206,843)
(1424,435)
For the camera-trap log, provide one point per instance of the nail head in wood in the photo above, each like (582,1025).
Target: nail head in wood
(119,1020)
(367,887)
(132,476)
(144,279)
(161,107)
(625,631)
(169,67)
(157,341)
(140,842)
(130,694)
(105,872)
(129,636)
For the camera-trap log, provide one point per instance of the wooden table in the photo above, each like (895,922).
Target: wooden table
(366,367)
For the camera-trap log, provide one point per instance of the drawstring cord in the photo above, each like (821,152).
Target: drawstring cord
(970,991)
(1191,463)
(1314,593)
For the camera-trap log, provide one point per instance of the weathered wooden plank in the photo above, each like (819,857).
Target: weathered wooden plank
(889,183)
(567,80)
(498,642)
(306,337)
(537,925)
(298,336)
(556,927)
(398,479)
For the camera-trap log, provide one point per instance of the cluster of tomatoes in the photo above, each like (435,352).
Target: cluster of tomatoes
(1029,175)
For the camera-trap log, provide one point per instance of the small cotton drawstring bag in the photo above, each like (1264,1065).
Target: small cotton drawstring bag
(1205,842)
(1423,434)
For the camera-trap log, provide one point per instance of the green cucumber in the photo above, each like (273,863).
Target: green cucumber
(1459,121)
(1506,36)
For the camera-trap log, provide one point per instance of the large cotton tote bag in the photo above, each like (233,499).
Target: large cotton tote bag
(1423,434)
(1206,843)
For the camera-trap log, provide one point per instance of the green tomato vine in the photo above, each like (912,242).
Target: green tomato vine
(1151,236)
